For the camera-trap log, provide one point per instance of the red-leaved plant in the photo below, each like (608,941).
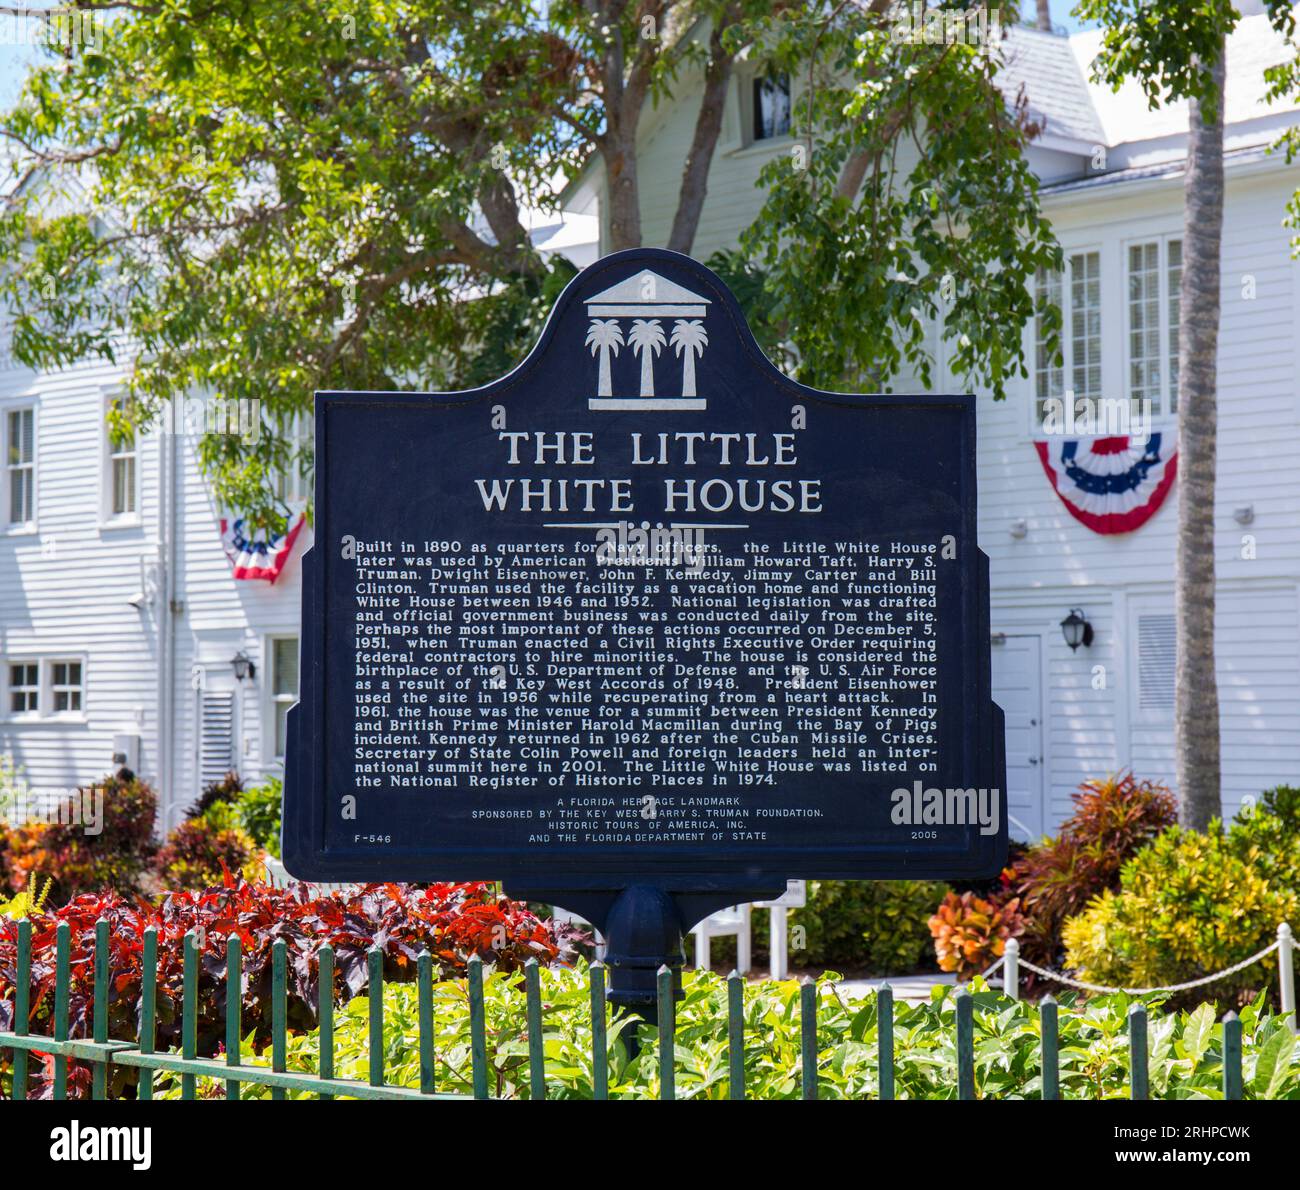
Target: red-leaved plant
(452,921)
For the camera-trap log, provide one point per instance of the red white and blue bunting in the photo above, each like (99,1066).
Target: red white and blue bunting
(255,555)
(1112,485)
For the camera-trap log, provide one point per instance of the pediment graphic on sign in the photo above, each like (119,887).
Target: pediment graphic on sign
(647,313)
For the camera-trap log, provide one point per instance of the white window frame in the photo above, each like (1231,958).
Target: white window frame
(109,454)
(1165,408)
(1066,369)
(49,690)
(294,487)
(745,142)
(10,688)
(271,701)
(6,501)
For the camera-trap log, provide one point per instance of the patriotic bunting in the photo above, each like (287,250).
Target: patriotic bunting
(257,556)
(1112,485)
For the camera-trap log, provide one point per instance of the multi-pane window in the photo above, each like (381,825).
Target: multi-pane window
(1080,333)
(771,106)
(121,470)
(24,688)
(20,465)
(294,484)
(284,686)
(1155,272)
(1049,376)
(65,687)
(1085,324)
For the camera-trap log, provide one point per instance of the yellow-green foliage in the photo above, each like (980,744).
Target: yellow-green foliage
(24,904)
(1190,905)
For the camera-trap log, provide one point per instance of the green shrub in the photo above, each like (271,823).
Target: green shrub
(258,812)
(202,851)
(1185,1050)
(869,927)
(1190,905)
(1114,817)
(77,862)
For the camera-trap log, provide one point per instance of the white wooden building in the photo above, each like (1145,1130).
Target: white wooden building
(120,622)
(1112,186)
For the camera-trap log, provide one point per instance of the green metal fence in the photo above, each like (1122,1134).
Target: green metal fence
(102,1053)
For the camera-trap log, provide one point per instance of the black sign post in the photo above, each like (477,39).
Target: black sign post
(644,628)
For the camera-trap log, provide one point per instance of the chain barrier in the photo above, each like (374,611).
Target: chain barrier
(1177,987)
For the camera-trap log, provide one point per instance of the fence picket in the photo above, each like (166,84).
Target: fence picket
(99,1033)
(667,1033)
(325,1011)
(536,1052)
(1232,1056)
(189,1009)
(148,1008)
(736,1034)
(62,981)
(599,1042)
(1047,1013)
(477,1027)
(424,996)
(22,1005)
(965,1045)
(808,1036)
(234,997)
(885,1039)
(279,980)
(375,990)
(1137,1045)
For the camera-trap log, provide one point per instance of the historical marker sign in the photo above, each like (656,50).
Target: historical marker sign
(644,612)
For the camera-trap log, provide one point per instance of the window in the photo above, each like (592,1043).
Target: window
(1080,333)
(121,479)
(20,465)
(284,687)
(65,687)
(294,485)
(1155,271)
(45,686)
(25,688)
(771,103)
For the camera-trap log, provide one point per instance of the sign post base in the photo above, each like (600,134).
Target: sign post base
(643,926)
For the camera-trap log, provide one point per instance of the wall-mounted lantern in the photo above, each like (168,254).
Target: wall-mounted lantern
(1076,629)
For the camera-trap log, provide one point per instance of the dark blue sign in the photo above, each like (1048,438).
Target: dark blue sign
(644,611)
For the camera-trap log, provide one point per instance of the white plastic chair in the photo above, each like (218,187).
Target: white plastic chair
(733,920)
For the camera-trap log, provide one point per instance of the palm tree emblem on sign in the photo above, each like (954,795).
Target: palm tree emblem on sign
(634,312)
(647,339)
(604,336)
(689,339)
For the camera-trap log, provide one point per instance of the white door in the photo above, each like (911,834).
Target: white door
(1017,689)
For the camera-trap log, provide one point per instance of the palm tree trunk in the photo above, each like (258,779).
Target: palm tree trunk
(605,387)
(688,372)
(1196,699)
(1044,21)
(647,372)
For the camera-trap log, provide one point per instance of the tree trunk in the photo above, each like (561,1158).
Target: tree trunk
(1196,699)
(1045,15)
(708,124)
(624,197)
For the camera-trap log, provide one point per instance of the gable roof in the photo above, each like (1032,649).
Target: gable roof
(1056,73)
